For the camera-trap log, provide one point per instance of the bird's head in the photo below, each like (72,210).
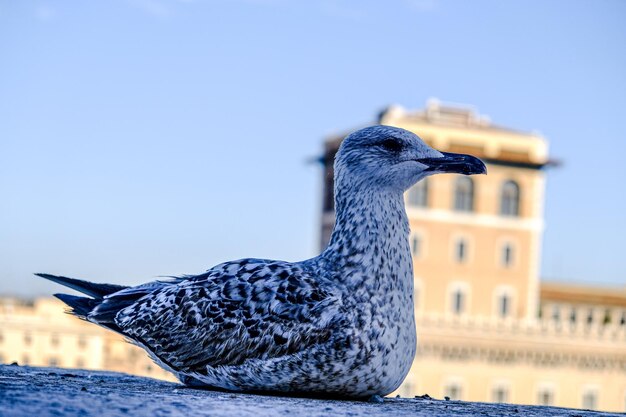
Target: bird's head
(395,159)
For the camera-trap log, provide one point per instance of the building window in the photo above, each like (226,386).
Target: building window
(453,391)
(2,358)
(1,337)
(25,360)
(458,301)
(80,363)
(500,394)
(417,293)
(460,251)
(556,314)
(590,316)
(572,315)
(590,400)
(406,389)
(504,306)
(507,255)
(545,396)
(416,245)
(82,341)
(329,194)
(622,320)
(509,202)
(28,339)
(54,339)
(416,297)
(464,194)
(53,361)
(417,195)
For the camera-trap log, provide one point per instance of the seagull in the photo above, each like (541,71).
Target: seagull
(339,325)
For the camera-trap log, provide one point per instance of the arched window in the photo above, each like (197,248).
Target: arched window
(545,396)
(460,251)
(416,245)
(504,305)
(82,342)
(418,293)
(504,301)
(458,296)
(453,390)
(417,196)
(416,297)
(407,389)
(507,255)
(500,394)
(509,200)
(464,194)
(590,399)
(458,301)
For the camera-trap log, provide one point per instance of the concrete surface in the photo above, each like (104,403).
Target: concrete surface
(26,391)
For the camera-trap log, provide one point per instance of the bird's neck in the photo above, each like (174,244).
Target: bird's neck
(370,237)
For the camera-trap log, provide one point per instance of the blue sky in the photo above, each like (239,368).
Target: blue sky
(153,137)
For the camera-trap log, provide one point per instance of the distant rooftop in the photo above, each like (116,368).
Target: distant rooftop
(464,130)
(453,115)
(584,294)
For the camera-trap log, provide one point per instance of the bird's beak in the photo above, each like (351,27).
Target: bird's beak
(455,163)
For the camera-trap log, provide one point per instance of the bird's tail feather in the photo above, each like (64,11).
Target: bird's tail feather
(107,299)
(92,289)
(80,306)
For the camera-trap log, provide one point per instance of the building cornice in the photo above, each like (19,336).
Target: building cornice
(580,294)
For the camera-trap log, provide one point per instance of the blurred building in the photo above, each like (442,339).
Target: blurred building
(488,329)
(38,333)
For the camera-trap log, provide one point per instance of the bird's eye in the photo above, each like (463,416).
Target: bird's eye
(391,145)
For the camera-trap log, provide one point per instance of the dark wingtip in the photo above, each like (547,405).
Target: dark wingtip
(91,289)
(81,306)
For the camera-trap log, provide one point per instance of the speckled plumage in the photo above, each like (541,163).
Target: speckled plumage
(339,324)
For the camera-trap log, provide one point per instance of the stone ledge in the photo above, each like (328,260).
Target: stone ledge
(26,391)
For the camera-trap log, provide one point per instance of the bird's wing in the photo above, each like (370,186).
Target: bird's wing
(236,311)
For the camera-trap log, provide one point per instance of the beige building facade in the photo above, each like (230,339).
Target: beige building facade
(39,333)
(488,329)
